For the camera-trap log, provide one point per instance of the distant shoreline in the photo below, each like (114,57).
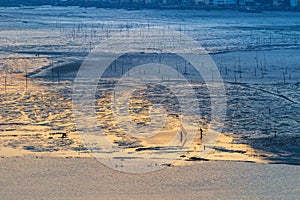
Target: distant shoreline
(148,7)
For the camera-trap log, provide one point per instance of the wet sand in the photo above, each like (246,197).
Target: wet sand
(33,177)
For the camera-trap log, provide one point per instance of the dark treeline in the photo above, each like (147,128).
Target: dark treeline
(48,2)
(81,3)
(130,4)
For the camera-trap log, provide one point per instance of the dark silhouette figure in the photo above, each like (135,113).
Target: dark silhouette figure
(63,135)
(201,133)
(181,137)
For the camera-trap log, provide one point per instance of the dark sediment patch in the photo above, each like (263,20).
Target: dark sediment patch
(197,159)
(286,149)
(60,71)
(67,70)
(52,53)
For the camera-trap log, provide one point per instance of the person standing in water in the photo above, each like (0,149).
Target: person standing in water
(201,133)
(181,137)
